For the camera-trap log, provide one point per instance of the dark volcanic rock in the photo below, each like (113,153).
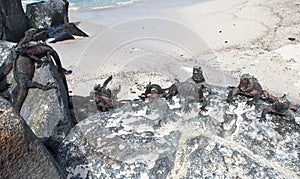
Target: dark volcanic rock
(157,140)
(59,33)
(22,154)
(69,28)
(45,14)
(13,21)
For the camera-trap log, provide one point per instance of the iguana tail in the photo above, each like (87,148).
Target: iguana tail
(107,81)
(57,61)
(52,53)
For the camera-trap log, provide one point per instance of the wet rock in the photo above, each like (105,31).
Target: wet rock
(22,154)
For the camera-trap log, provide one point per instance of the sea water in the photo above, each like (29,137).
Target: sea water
(92,4)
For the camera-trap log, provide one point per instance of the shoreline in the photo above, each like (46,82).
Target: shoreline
(244,37)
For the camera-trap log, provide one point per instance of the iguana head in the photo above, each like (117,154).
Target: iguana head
(30,32)
(197,73)
(246,81)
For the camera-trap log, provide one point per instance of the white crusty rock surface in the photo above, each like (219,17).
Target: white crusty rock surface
(157,140)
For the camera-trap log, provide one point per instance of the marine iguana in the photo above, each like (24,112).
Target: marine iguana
(104,98)
(197,79)
(281,107)
(38,50)
(8,65)
(27,37)
(191,93)
(34,50)
(23,73)
(249,87)
(153,91)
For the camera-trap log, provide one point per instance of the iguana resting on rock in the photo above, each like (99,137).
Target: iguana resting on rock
(25,54)
(8,65)
(281,107)
(106,99)
(199,80)
(38,50)
(34,50)
(250,87)
(23,73)
(191,93)
(153,91)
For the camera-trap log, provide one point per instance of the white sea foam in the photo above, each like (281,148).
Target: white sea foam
(87,4)
(31,1)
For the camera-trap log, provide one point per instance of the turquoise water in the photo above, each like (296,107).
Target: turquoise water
(92,4)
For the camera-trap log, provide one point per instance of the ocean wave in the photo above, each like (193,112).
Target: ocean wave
(93,5)
(96,5)
(31,1)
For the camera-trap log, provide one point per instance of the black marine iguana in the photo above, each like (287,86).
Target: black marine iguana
(105,98)
(199,80)
(250,87)
(281,107)
(153,91)
(37,51)
(24,56)
(191,93)
(34,50)
(23,73)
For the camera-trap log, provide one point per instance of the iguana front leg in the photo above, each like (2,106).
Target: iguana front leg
(255,99)
(231,93)
(40,63)
(48,86)
(204,104)
(21,90)
(187,108)
(264,113)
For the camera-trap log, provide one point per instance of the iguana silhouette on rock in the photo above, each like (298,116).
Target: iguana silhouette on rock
(105,98)
(37,50)
(191,94)
(153,91)
(24,56)
(281,107)
(23,73)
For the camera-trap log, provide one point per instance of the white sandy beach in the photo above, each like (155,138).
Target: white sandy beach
(158,41)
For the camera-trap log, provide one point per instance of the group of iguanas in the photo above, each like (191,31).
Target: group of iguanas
(192,90)
(28,54)
(25,56)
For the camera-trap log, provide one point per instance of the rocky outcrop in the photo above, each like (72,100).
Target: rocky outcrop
(59,33)
(13,21)
(22,154)
(158,140)
(50,17)
(45,14)
(47,113)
